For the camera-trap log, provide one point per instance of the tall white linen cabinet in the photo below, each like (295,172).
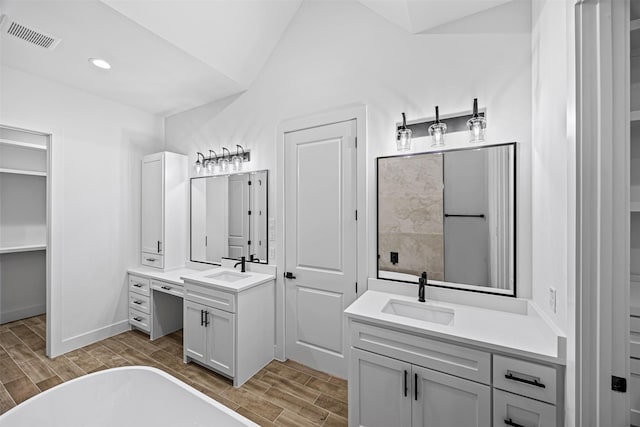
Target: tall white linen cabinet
(23,223)
(164,210)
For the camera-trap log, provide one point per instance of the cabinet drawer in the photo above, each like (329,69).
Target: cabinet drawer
(513,410)
(211,297)
(634,336)
(152,260)
(139,302)
(139,320)
(168,288)
(525,378)
(449,358)
(139,285)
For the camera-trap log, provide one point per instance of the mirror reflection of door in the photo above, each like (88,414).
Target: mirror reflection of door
(239,214)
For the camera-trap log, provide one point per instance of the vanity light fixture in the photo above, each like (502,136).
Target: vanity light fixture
(476,124)
(437,131)
(199,164)
(224,161)
(238,159)
(403,136)
(212,161)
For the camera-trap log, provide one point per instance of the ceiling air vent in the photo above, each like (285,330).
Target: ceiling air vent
(30,35)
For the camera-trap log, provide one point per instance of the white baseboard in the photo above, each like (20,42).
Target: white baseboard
(81,340)
(22,313)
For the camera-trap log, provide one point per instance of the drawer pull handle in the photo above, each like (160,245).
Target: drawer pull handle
(201,317)
(151,259)
(511,423)
(166,288)
(406,388)
(510,376)
(415,389)
(206,318)
(137,285)
(137,302)
(138,319)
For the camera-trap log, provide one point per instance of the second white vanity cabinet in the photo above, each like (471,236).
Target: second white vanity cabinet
(229,328)
(163,210)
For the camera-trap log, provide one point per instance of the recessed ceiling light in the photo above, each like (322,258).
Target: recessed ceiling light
(100,63)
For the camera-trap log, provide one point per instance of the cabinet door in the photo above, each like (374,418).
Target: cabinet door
(221,343)
(444,400)
(379,391)
(195,336)
(152,204)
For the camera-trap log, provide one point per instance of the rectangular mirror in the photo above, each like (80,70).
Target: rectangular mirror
(229,217)
(450,214)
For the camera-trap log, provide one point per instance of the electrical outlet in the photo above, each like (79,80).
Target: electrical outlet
(552,299)
(394,258)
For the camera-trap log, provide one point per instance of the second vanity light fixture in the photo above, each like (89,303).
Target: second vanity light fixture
(224,163)
(475,124)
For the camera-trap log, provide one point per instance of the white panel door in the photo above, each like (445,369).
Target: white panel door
(380,391)
(239,215)
(320,243)
(220,340)
(152,203)
(444,400)
(194,331)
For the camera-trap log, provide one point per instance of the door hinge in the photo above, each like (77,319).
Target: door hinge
(249,242)
(249,212)
(618,384)
(249,182)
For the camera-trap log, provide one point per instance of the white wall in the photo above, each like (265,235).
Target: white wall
(339,53)
(96,150)
(554,171)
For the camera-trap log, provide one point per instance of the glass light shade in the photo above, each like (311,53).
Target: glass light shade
(403,139)
(197,167)
(236,162)
(224,164)
(437,131)
(477,126)
(211,165)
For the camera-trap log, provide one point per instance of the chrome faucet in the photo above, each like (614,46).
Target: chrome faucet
(242,264)
(422,282)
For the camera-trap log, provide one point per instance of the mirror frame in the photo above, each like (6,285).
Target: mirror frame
(454,285)
(266,262)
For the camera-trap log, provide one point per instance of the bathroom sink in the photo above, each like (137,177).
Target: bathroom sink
(419,311)
(228,276)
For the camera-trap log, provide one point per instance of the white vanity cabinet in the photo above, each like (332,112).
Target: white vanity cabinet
(139,303)
(403,379)
(163,210)
(229,330)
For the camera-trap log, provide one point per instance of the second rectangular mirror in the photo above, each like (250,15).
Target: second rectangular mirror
(229,217)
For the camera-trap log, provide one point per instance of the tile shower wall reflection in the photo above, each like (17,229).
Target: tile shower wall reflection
(410,220)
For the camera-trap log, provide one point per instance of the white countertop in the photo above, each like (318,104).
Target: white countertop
(527,334)
(170,276)
(252,279)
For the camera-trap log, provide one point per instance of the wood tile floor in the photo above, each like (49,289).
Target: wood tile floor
(281,394)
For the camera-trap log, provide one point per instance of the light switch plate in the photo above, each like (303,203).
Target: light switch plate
(552,299)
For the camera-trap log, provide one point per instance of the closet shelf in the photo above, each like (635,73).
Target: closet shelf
(22,144)
(23,248)
(22,172)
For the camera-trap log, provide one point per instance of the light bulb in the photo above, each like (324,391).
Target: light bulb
(476,124)
(237,163)
(403,136)
(437,131)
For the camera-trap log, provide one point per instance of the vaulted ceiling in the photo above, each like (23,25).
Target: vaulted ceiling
(168,56)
